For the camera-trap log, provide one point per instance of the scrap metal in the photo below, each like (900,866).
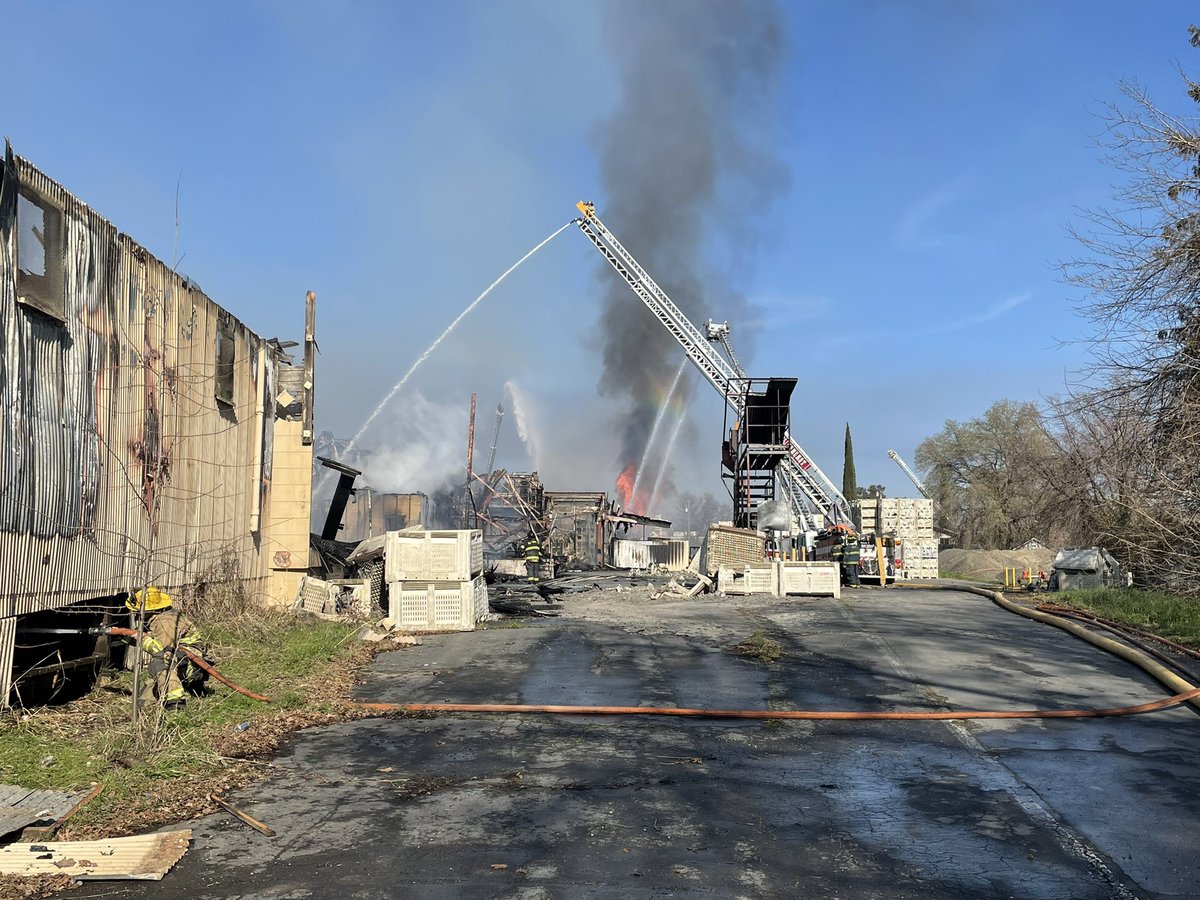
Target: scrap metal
(146,857)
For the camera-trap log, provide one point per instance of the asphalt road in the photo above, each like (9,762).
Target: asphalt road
(538,806)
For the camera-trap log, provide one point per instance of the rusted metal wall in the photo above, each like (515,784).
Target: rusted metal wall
(118,464)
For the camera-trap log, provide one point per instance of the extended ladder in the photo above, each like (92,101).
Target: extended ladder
(806,486)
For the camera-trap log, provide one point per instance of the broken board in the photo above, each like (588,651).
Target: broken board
(145,857)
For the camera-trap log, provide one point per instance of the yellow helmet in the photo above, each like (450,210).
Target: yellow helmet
(155,600)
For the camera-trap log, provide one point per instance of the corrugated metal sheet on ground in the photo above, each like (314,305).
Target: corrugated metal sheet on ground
(22,806)
(146,857)
(669,553)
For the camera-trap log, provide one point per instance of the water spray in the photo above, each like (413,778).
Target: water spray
(662,469)
(449,328)
(662,411)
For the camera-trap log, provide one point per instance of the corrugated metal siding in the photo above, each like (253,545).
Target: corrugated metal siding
(631,554)
(146,857)
(117,463)
(21,806)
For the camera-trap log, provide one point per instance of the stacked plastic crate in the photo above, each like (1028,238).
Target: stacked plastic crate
(911,521)
(435,580)
(734,548)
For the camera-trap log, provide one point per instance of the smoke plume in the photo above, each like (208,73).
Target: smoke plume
(684,177)
(425,448)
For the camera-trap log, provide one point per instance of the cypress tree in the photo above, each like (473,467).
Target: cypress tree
(849,478)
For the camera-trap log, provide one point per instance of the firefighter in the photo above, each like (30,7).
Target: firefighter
(850,560)
(533,557)
(167,630)
(836,553)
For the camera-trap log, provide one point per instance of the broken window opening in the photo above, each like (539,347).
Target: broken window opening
(40,255)
(226,356)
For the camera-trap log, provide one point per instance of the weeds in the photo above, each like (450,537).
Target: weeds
(161,773)
(1168,615)
(759,646)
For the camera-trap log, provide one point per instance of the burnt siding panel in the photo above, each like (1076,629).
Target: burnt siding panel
(89,407)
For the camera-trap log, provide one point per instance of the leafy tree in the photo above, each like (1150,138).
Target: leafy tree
(988,476)
(849,478)
(872,492)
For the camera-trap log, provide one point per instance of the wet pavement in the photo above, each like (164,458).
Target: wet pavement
(574,806)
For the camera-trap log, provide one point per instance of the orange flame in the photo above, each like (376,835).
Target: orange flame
(629,502)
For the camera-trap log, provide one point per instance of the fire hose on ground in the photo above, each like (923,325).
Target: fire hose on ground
(201,662)
(1185,692)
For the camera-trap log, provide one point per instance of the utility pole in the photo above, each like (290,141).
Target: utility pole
(468,496)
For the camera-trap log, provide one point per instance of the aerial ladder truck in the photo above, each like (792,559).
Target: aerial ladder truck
(912,476)
(813,498)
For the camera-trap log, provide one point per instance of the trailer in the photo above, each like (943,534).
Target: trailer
(145,432)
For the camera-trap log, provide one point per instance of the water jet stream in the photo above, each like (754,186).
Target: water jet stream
(662,411)
(441,337)
(662,470)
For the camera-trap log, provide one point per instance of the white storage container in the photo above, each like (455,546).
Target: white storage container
(631,554)
(756,579)
(437,605)
(433,555)
(809,578)
(669,553)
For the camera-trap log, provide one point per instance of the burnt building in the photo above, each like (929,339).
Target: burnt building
(148,436)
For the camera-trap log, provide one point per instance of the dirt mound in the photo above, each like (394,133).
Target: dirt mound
(989,565)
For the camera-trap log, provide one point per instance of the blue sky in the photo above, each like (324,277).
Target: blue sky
(396,157)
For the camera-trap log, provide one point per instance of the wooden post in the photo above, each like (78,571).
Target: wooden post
(310,354)
(471,444)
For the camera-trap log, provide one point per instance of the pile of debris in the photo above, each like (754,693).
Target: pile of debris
(30,818)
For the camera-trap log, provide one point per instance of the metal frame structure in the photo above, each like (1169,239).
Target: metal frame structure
(912,476)
(807,488)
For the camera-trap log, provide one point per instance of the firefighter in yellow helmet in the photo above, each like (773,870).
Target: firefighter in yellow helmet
(167,630)
(533,557)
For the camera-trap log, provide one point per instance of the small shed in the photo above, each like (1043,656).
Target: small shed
(1031,544)
(1086,567)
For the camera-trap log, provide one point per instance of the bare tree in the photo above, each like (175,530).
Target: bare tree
(1131,441)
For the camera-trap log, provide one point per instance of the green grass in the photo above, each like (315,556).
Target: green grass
(1167,615)
(92,739)
(759,646)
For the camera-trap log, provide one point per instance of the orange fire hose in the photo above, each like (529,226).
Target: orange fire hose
(200,661)
(809,715)
(1187,696)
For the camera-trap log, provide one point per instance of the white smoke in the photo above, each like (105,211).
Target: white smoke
(422,446)
(525,414)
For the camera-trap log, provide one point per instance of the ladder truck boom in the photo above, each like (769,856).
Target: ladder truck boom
(912,476)
(803,480)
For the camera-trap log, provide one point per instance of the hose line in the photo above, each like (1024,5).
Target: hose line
(202,663)
(1178,686)
(808,715)
(1185,692)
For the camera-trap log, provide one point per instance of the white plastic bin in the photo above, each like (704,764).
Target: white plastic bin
(433,555)
(817,577)
(437,605)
